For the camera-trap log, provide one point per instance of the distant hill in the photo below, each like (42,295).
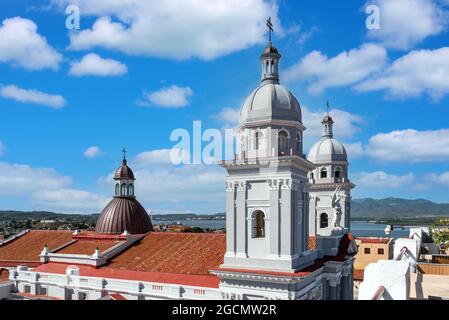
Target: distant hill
(361,209)
(41,215)
(397,208)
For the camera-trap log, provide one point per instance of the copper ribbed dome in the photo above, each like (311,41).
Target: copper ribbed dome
(124,172)
(123,214)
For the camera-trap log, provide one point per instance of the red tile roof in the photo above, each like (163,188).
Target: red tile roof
(110,273)
(373,240)
(184,253)
(87,246)
(26,248)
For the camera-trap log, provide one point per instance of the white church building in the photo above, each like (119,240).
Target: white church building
(287,225)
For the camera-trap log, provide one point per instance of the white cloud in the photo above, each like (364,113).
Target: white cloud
(46,189)
(229,117)
(381,179)
(93,152)
(441,179)
(22,45)
(346,124)
(354,150)
(163,186)
(410,146)
(162,157)
(404,23)
(168,97)
(418,72)
(32,96)
(177,29)
(345,69)
(94,65)
(17,179)
(69,200)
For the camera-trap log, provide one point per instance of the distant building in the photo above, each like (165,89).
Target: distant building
(371,249)
(178,228)
(412,273)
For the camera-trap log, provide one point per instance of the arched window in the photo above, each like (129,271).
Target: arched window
(324,220)
(311,175)
(338,172)
(298,143)
(130,189)
(123,190)
(258,140)
(117,189)
(258,224)
(323,173)
(4,275)
(282,142)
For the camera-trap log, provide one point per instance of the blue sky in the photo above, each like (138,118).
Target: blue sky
(137,70)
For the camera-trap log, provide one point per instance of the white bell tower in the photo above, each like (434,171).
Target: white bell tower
(267,185)
(330,190)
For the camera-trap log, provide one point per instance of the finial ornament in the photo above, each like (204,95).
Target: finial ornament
(270,28)
(124,153)
(327,107)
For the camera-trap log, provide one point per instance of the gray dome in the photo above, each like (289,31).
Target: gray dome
(327,150)
(270,101)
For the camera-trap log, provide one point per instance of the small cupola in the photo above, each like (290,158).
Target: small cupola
(270,64)
(270,59)
(124,177)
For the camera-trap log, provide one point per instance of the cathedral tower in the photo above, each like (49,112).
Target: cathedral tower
(267,184)
(330,192)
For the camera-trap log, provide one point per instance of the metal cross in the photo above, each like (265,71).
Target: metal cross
(270,27)
(124,153)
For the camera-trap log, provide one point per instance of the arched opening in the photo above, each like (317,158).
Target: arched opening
(123,190)
(311,175)
(117,189)
(130,189)
(324,220)
(282,142)
(298,143)
(258,140)
(258,225)
(4,275)
(323,173)
(337,172)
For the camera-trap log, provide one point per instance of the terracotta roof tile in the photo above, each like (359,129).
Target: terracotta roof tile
(184,253)
(373,240)
(87,246)
(27,247)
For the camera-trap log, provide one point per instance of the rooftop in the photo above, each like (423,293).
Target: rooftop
(373,240)
(184,253)
(26,248)
(87,246)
